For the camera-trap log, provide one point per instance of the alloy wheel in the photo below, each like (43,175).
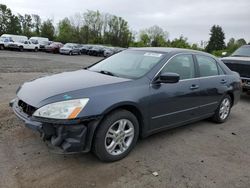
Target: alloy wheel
(224,108)
(119,137)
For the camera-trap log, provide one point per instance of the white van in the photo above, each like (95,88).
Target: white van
(15,38)
(38,40)
(8,38)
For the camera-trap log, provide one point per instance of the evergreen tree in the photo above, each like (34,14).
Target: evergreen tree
(48,30)
(216,41)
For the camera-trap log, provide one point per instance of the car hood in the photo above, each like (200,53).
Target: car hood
(36,91)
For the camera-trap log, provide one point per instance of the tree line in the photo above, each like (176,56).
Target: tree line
(91,27)
(94,27)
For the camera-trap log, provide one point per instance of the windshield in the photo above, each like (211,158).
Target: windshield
(128,64)
(68,46)
(243,51)
(34,41)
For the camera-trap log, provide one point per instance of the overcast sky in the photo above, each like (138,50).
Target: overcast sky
(191,18)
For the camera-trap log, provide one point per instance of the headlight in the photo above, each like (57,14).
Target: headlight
(62,110)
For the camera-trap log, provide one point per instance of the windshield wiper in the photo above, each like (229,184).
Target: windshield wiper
(107,73)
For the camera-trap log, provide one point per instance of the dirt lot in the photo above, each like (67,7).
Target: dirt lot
(203,154)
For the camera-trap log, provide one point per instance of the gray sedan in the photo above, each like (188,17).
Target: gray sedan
(135,93)
(70,49)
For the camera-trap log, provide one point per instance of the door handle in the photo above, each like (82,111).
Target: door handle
(223,81)
(193,87)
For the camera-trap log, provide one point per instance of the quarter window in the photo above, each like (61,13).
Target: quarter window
(221,72)
(207,66)
(182,65)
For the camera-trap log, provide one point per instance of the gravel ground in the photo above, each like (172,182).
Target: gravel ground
(202,154)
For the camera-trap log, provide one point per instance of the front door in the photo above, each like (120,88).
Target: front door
(174,103)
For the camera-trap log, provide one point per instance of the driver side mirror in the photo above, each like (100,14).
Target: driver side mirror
(168,77)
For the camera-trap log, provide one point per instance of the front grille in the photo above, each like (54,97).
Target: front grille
(242,69)
(27,109)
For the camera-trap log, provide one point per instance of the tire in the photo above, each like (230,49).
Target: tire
(221,115)
(108,132)
(36,49)
(1,47)
(21,48)
(70,53)
(79,53)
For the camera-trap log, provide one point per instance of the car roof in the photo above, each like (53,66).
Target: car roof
(168,50)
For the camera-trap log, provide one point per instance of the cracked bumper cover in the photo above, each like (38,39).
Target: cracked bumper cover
(245,83)
(62,137)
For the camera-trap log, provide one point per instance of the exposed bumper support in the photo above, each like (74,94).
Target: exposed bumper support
(62,138)
(245,83)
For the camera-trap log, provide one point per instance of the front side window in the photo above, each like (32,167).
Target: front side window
(182,65)
(207,66)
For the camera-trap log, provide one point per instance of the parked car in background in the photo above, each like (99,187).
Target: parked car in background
(38,40)
(96,51)
(54,47)
(15,38)
(43,44)
(137,92)
(24,45)
(109,51)
(8,39)
(2,42)
(85,49)
(112,50)
(239,62)
(71,49)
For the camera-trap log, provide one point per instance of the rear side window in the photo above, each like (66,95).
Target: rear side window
(207,66)
(182,65)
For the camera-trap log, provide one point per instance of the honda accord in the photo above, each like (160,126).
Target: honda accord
(106,107)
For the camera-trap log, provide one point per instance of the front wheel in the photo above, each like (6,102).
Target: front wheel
(36,49)
(21,48)
(223,110)
(116,136)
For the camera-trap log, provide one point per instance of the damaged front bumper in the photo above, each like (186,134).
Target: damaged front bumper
(245,83)
(71,136)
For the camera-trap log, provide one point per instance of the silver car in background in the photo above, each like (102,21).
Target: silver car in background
(70,49)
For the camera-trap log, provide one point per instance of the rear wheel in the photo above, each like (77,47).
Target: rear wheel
(116,136)
(223,110)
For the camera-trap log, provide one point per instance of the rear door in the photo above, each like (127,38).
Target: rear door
(213,83)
